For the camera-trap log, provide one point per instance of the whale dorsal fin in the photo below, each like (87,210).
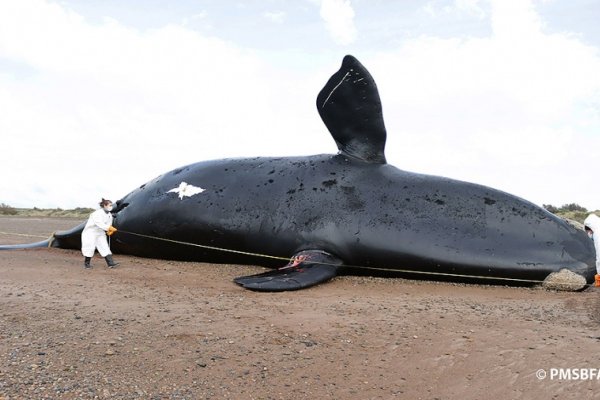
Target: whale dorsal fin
(350,107)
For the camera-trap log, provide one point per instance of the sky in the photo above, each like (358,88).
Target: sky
(101,96)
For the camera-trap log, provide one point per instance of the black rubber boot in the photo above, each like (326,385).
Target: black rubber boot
(86,262)
(110,262)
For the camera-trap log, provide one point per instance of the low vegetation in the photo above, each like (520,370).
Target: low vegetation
(79,212)
(571,211)
(5,209)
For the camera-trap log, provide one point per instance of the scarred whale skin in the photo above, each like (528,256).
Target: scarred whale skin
(351,208)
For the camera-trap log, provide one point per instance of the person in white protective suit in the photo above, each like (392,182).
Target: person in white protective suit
(94,235)
(592,227)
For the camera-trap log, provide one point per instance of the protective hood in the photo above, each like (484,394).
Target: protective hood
(593,222)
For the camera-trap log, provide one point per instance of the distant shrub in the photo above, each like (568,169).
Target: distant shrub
(573,207)
(572,211)
(83,210)
(5,209)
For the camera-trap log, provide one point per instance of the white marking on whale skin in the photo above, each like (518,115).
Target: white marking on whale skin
(186,190)
(333,90)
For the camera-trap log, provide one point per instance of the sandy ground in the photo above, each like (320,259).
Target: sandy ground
(154,329)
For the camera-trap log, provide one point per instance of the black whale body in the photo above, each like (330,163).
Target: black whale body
(351,208)
(365,214)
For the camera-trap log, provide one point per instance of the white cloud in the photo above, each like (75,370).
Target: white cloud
(201,16)
(515,20)
(339,18)
(458,7)
(277,17)
(471,7)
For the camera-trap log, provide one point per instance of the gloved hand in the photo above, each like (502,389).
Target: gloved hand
(111,230)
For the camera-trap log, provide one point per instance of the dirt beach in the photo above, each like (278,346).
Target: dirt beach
(153,329)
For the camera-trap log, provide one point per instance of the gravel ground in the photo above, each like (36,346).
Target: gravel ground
(153,329)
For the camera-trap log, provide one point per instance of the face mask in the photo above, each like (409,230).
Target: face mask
(108,208)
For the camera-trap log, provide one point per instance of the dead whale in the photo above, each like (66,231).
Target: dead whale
(340,213)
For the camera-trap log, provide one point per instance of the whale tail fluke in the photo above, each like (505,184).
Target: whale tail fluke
(43,243)
(69,239)
(307,269)
(350,107)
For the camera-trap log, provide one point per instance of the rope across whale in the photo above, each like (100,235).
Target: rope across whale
(295,261)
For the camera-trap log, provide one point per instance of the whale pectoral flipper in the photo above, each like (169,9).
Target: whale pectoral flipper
(308,268)
(281,280)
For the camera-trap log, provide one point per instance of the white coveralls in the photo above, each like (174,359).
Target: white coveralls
(94,234)
(593,222)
